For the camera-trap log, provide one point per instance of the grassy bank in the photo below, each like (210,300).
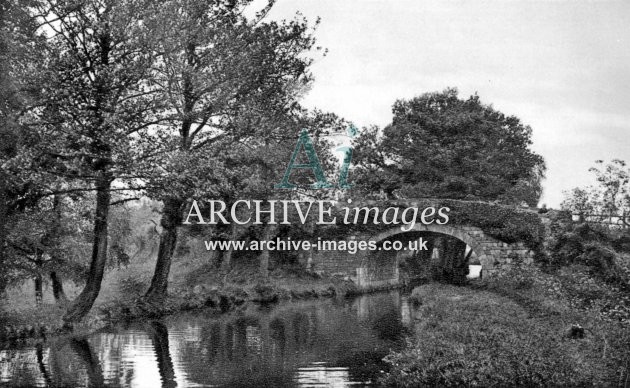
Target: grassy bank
(522,330)
(194,283)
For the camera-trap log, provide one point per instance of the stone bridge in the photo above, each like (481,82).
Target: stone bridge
(380,268)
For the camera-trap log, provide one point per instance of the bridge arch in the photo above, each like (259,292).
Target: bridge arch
(374,269)
(461,233)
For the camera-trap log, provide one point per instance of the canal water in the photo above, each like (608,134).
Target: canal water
(331,342)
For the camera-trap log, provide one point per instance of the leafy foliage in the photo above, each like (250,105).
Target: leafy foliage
(439,145)
(20,47)
(597,248)
(607,202)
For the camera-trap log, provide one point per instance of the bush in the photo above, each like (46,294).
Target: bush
(506,223)
(132,286)
(593,247)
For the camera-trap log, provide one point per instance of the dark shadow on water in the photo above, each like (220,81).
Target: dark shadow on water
(159,336)
(81,347)
(389,327)
(39,350)
(305,343)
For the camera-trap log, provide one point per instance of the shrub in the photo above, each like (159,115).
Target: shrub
(132,286)
(591,246)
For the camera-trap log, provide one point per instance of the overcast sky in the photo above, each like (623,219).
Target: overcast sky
(563,67)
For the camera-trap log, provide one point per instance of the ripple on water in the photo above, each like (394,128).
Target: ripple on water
(308,344)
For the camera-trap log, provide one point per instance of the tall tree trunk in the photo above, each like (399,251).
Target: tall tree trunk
(57,287)
(39,293)
(171,219)
(84,302)
(264,255)
(309,260)
(3,220)
(226,263)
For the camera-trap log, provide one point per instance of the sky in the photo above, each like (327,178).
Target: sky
(562,67)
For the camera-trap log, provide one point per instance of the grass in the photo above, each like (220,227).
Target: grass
(514,331)
(193,280)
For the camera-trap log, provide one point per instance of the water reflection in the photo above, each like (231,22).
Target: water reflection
(306,344)
(159,335)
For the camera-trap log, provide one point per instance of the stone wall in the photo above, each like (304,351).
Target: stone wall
(379,269)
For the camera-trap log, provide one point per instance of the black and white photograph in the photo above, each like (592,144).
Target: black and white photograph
(314,193)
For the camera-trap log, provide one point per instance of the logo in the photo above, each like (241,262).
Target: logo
(304,141)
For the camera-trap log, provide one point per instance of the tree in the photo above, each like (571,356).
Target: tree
(20,46)
(97,109)
(610,199)
(254,169)
(225,78)
(439,145)
(49,240)
(582,202)
(614,181)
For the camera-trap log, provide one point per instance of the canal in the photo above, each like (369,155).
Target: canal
(326,342)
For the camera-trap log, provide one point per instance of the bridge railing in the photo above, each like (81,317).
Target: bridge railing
(609,220)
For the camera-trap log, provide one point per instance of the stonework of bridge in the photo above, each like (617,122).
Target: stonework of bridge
(379,269)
